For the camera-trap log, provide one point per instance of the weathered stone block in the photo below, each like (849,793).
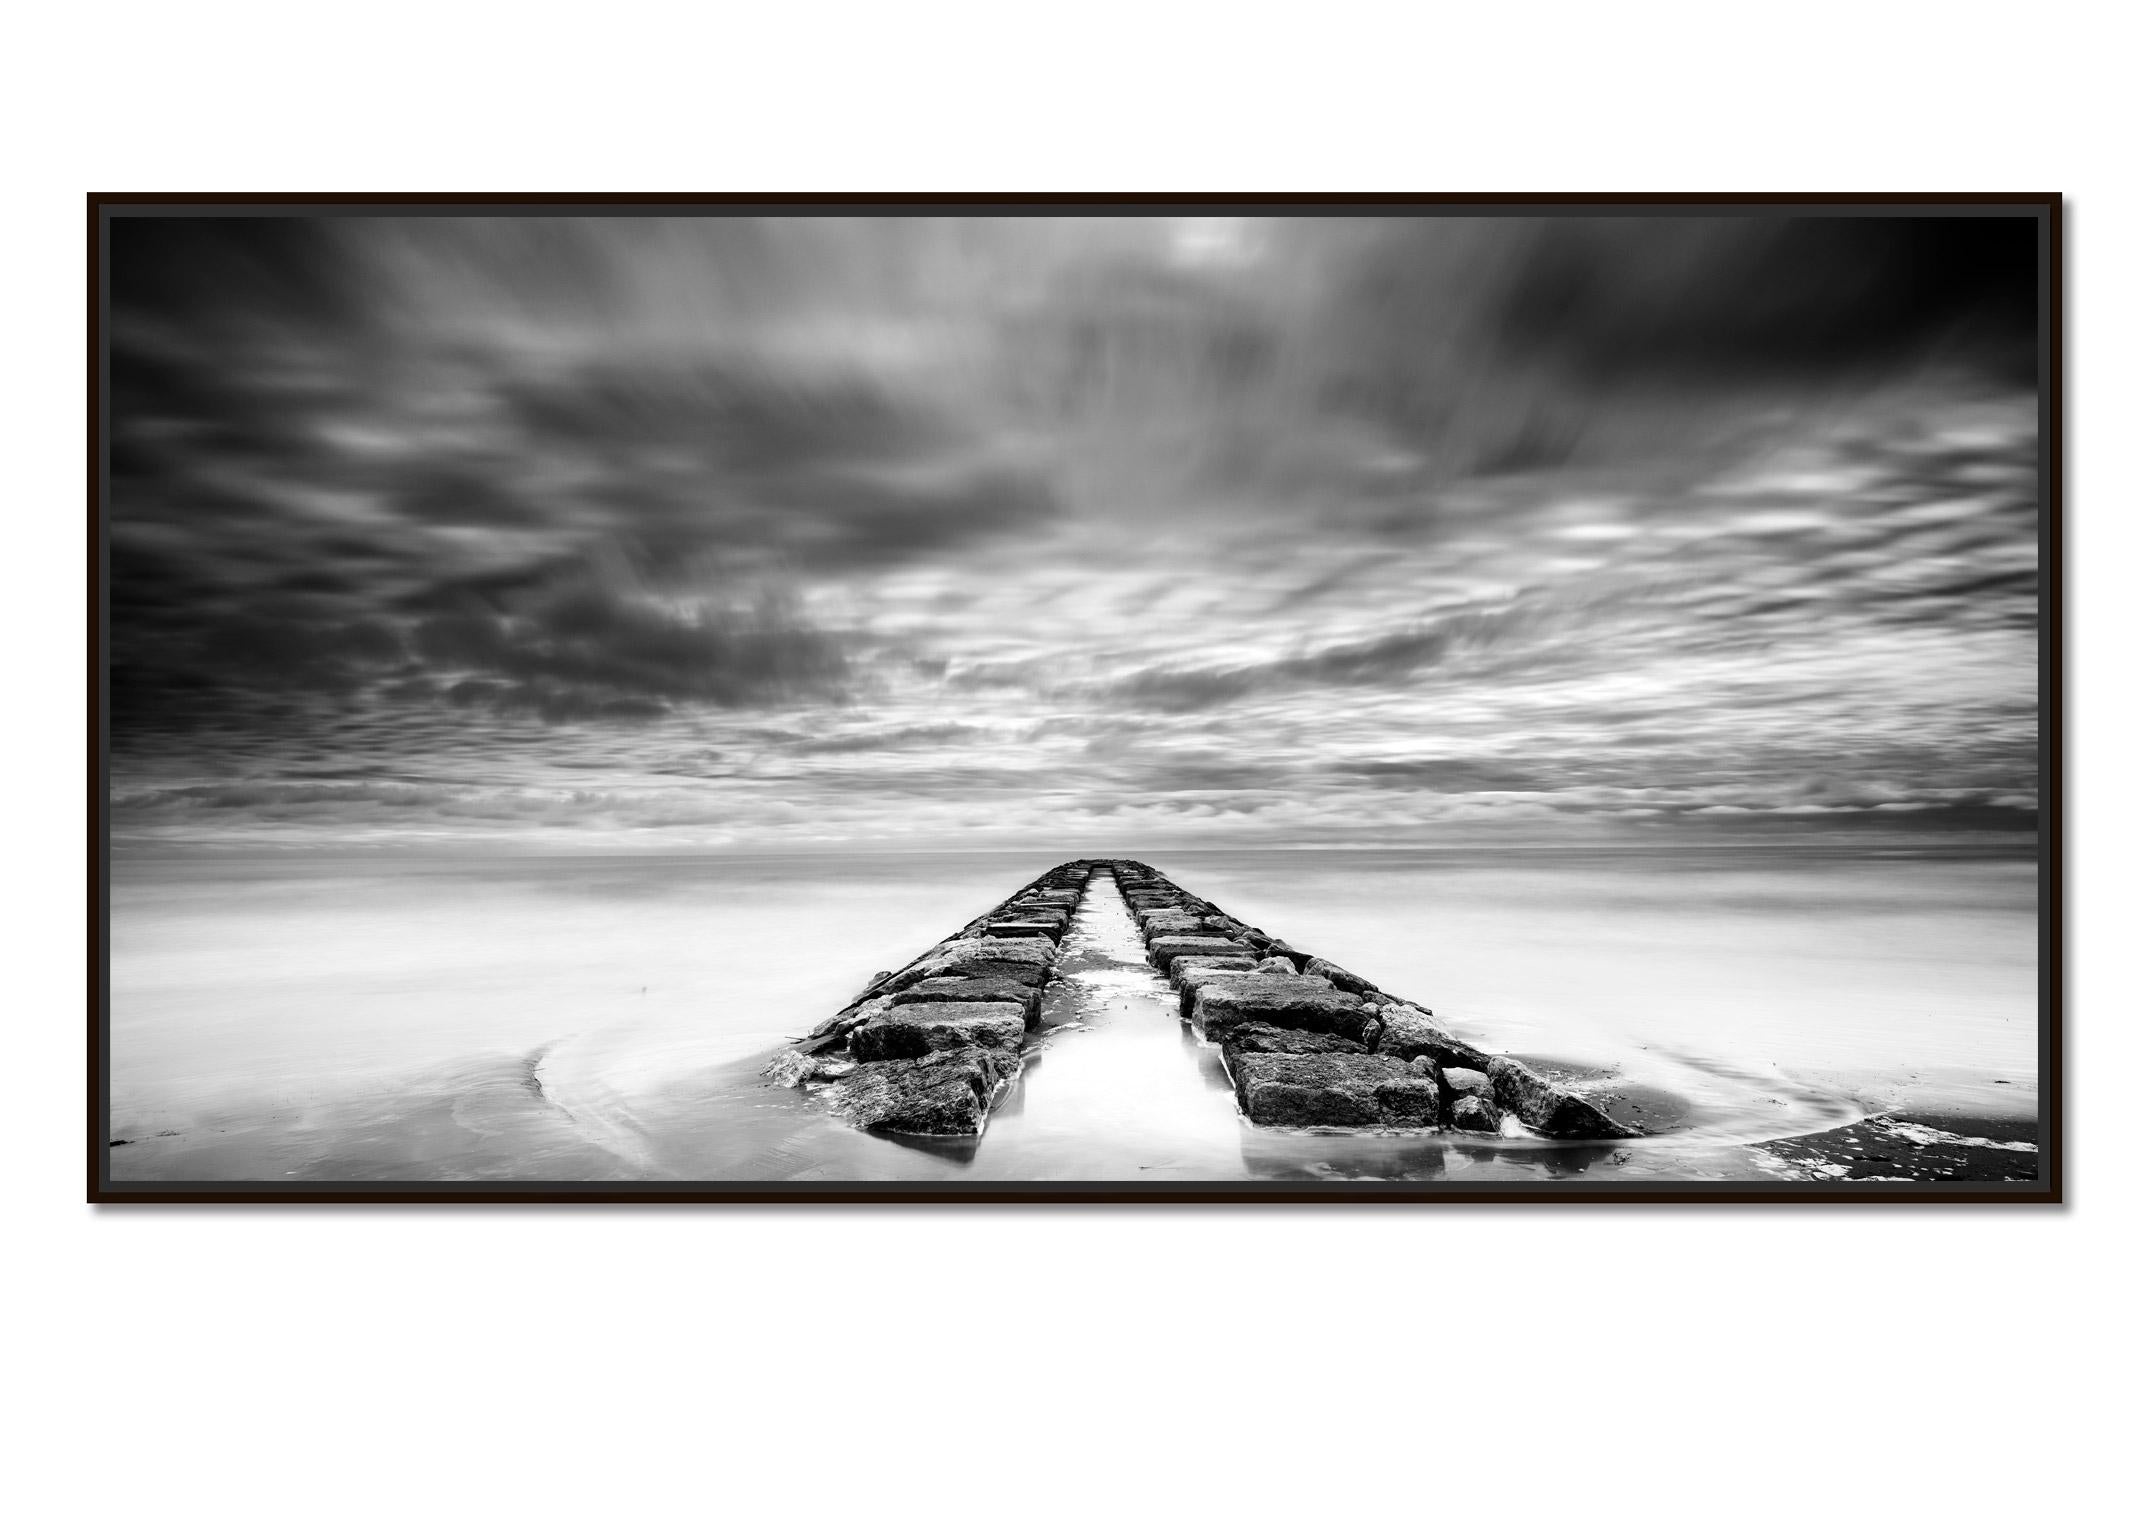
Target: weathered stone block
(1166,948)
(975,990)
(1014,971)
(832,1031)
(1249,1040)
(1039,910)
(1256,1037)
(1407,1033)
(919,1030)
(1333,1089)
(1023,929)
(1349,982)
(1189,971)
(1028,949)
(1181,967)
(1301,1003)
(1024,960)
(949,1094)
(1464,1082)
(1544,1107)
(1474,1113)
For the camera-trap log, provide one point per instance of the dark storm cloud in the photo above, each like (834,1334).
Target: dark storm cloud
(592,634)
(1505,346)
(234,275)
(1626,298)
(819,471)
(835,528)
(738,419)
(312,491)
(474,494)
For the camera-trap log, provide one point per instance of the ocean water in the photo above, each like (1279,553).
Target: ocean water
(436,1014)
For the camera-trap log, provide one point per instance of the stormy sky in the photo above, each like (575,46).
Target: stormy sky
(1073,529)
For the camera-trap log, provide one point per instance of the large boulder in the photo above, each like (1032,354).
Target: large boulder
(1025,960)
(975,990)
(1190,983)
(1464,1082)
(1333,1089)
(1544,1107)
(1242,1041)
(927,969)
(919,1030)
(1145,908)
(832,1031)
(1182,967)
(1349,982)
(1301,1003)
(1474,1113)
(1025,929)
(1189,971)
(1406,1033)
(1026,949)
(949,1094)
(1260,1037)
(1166,948)
(1030,908)
(1276,966)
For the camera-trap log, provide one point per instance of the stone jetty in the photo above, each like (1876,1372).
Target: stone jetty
(931,1048)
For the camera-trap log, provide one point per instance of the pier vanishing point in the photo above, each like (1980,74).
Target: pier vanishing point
(932,1048)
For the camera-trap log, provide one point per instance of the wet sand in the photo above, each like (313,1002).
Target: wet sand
(1928,1148)
(484,1122)
(349,1018)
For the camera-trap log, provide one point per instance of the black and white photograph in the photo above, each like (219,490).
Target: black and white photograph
(1133,769)
(1074,697)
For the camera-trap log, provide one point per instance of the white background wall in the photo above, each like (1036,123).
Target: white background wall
(919,1370)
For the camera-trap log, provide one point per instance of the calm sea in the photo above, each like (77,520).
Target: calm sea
(482,1014)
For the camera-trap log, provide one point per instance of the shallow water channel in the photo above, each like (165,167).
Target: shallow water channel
(1120,1088)
(584,1018)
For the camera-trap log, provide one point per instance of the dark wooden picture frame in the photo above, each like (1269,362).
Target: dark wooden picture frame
(2047,1188)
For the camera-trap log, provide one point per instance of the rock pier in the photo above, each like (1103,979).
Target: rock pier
(931,1048)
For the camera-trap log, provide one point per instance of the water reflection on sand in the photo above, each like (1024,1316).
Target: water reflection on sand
(379,1016)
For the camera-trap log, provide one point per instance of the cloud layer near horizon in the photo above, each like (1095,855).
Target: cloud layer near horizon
(746,530)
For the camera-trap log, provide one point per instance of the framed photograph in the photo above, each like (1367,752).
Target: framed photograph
(1075,698)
